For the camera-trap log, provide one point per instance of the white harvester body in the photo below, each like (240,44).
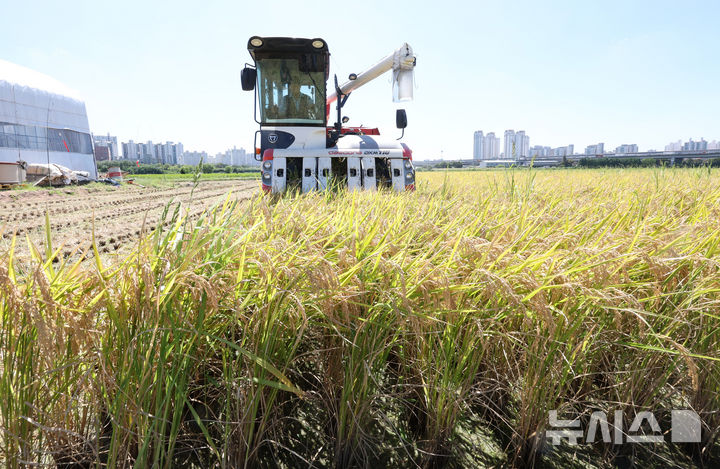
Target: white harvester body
(299,150)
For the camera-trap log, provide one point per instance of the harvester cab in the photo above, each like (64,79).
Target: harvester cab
(297,147)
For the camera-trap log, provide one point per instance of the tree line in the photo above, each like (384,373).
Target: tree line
(644,162)
(158,168)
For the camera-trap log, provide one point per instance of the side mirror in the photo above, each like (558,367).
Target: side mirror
(401,119)
(248,77)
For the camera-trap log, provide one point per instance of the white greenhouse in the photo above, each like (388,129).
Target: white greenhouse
(42,121)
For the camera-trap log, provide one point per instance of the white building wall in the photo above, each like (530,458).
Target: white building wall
(159,150)
(178,152)
(479,145)
(193,157)
(510,149)
(237,157)
(517,145)
(488,145)
(150,153)
(522,145)
(131,152)
(168,149)
(561,151)
(696,146)
(626,148)
(493,146)
(595,149)
(674,146)
(539,151)
(38,102)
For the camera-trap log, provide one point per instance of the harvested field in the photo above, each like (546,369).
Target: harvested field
(118,215)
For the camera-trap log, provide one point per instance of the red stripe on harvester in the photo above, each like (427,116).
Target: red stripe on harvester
(66,147)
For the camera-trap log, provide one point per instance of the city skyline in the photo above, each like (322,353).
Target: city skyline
(516,146)
(106,148)
(485,147)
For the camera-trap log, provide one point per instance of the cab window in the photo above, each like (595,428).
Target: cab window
(289,96)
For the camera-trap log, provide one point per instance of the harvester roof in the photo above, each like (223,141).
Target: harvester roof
(270,46)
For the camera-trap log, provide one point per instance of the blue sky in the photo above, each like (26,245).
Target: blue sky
(578,72)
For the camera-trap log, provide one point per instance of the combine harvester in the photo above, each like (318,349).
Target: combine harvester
(299,150)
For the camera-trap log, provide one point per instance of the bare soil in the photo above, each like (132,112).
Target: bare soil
(118,215)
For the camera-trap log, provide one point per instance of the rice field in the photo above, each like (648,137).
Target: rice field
(429,329)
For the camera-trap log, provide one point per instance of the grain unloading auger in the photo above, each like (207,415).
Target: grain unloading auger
(299,150)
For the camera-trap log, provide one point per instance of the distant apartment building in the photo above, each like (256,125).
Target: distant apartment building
(485,147)
(522,142)
(231,157)
(539,151)
(509,149)
(147,152)
(235,157)
(674,146)
(626,148)
(142,152)
(179,150)
(239,157)
(130,150)
(702,145)
(479,146)
(517,145)
(225,158)
(152,153)
(106,147)
(692,145)
(170,153)
(563,151)
(598,149)
(492,146)
(193,158)
(159,150)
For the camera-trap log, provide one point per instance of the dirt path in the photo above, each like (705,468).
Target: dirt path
(119,213)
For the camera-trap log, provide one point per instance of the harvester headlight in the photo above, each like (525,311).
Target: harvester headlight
(408,165)
(409,176)
(266,174)
(267,164)
(256,42)
(318,44)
